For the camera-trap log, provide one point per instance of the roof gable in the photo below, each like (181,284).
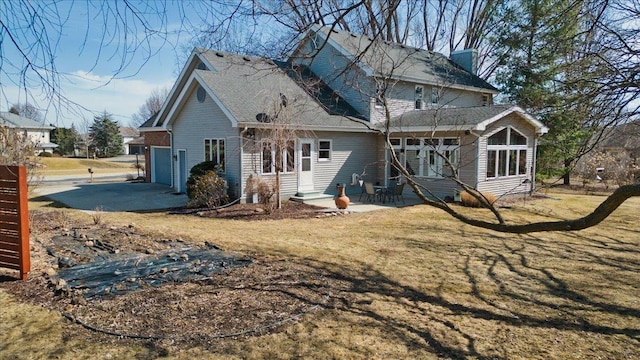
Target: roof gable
(476,118)
(250,89)
(380,58)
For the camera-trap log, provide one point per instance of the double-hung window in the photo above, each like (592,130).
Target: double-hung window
(285,159)
(435,95)
(324,150)
(214,151)
(419,95)
(432,157)
(506,154)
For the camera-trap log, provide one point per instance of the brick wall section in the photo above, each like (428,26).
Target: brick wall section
(153,138)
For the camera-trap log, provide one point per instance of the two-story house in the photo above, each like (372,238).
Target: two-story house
(339,92)
(37,133)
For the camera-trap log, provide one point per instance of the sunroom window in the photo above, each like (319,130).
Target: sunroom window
(430,157)
(506,154)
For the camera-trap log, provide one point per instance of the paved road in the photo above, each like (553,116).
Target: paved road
(83,179)
(113,196)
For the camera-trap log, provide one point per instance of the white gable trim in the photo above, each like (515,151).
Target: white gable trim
(196,79)
(174,89)
(190,66)
(540,128)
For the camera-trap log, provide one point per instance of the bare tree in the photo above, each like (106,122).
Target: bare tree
(151,106)
(27,110)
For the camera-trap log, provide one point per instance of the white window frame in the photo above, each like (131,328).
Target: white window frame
(506,149)
(285,158)
(379,90)
(329,150)
(435,95)
(219,154)
(486,99)
(429,151)
(418,97)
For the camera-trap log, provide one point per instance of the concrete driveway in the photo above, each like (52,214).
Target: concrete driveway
(113,196)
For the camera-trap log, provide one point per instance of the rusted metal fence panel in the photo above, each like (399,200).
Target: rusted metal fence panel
(14,220)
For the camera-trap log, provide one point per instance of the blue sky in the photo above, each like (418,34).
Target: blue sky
(91,64)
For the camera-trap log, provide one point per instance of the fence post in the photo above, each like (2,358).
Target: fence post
(14,220)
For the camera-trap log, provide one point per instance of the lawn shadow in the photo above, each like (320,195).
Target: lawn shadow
(510,287)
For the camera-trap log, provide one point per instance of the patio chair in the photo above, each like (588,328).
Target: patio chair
(370,192)
(395,193)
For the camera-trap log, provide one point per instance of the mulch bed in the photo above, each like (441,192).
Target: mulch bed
(253,212)
(263,295)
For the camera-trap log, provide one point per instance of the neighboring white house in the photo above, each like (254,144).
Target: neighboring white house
(220,107)
(128,134)
(39,134)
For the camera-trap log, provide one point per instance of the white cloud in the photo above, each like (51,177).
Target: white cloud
(95,93)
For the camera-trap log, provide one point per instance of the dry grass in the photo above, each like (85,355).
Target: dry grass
(65,166)
(419,285)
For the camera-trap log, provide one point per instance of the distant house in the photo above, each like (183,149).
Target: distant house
(39,134)
(136,146)
(623,142)
(129,134)
(438,107)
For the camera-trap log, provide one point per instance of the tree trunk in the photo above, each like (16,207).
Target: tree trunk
(566,178)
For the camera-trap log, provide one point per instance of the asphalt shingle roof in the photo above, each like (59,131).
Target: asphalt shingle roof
(464,116)
(250,87)
(403,61)
(20,122)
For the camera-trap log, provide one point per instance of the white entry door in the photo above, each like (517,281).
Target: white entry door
(182,171)
(306,150)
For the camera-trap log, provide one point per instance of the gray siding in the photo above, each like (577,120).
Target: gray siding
(198,121)
(351,153)
(510,184)
(352,84)
(401,98)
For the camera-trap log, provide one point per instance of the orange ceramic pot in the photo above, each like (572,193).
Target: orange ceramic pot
(342,200)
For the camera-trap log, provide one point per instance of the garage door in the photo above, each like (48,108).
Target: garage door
(161,161)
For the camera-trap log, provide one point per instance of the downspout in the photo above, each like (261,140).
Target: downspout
(477,166)
(533,165)
(241,174)
(169,130)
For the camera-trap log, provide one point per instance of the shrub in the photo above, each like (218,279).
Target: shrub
(208,190)
(468,200)
(199,170)
(45,154)
(266,190)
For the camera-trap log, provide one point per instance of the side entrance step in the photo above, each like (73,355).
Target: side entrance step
(310,195)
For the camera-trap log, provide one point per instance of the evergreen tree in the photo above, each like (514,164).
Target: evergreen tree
(550,68)
(105,136)
(67,140)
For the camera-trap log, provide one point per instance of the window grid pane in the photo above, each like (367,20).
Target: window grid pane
(502,163)
(221,162)
(267,160)
(491,163)
(522,167)
(513,158)
(207,150)
(291,156)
